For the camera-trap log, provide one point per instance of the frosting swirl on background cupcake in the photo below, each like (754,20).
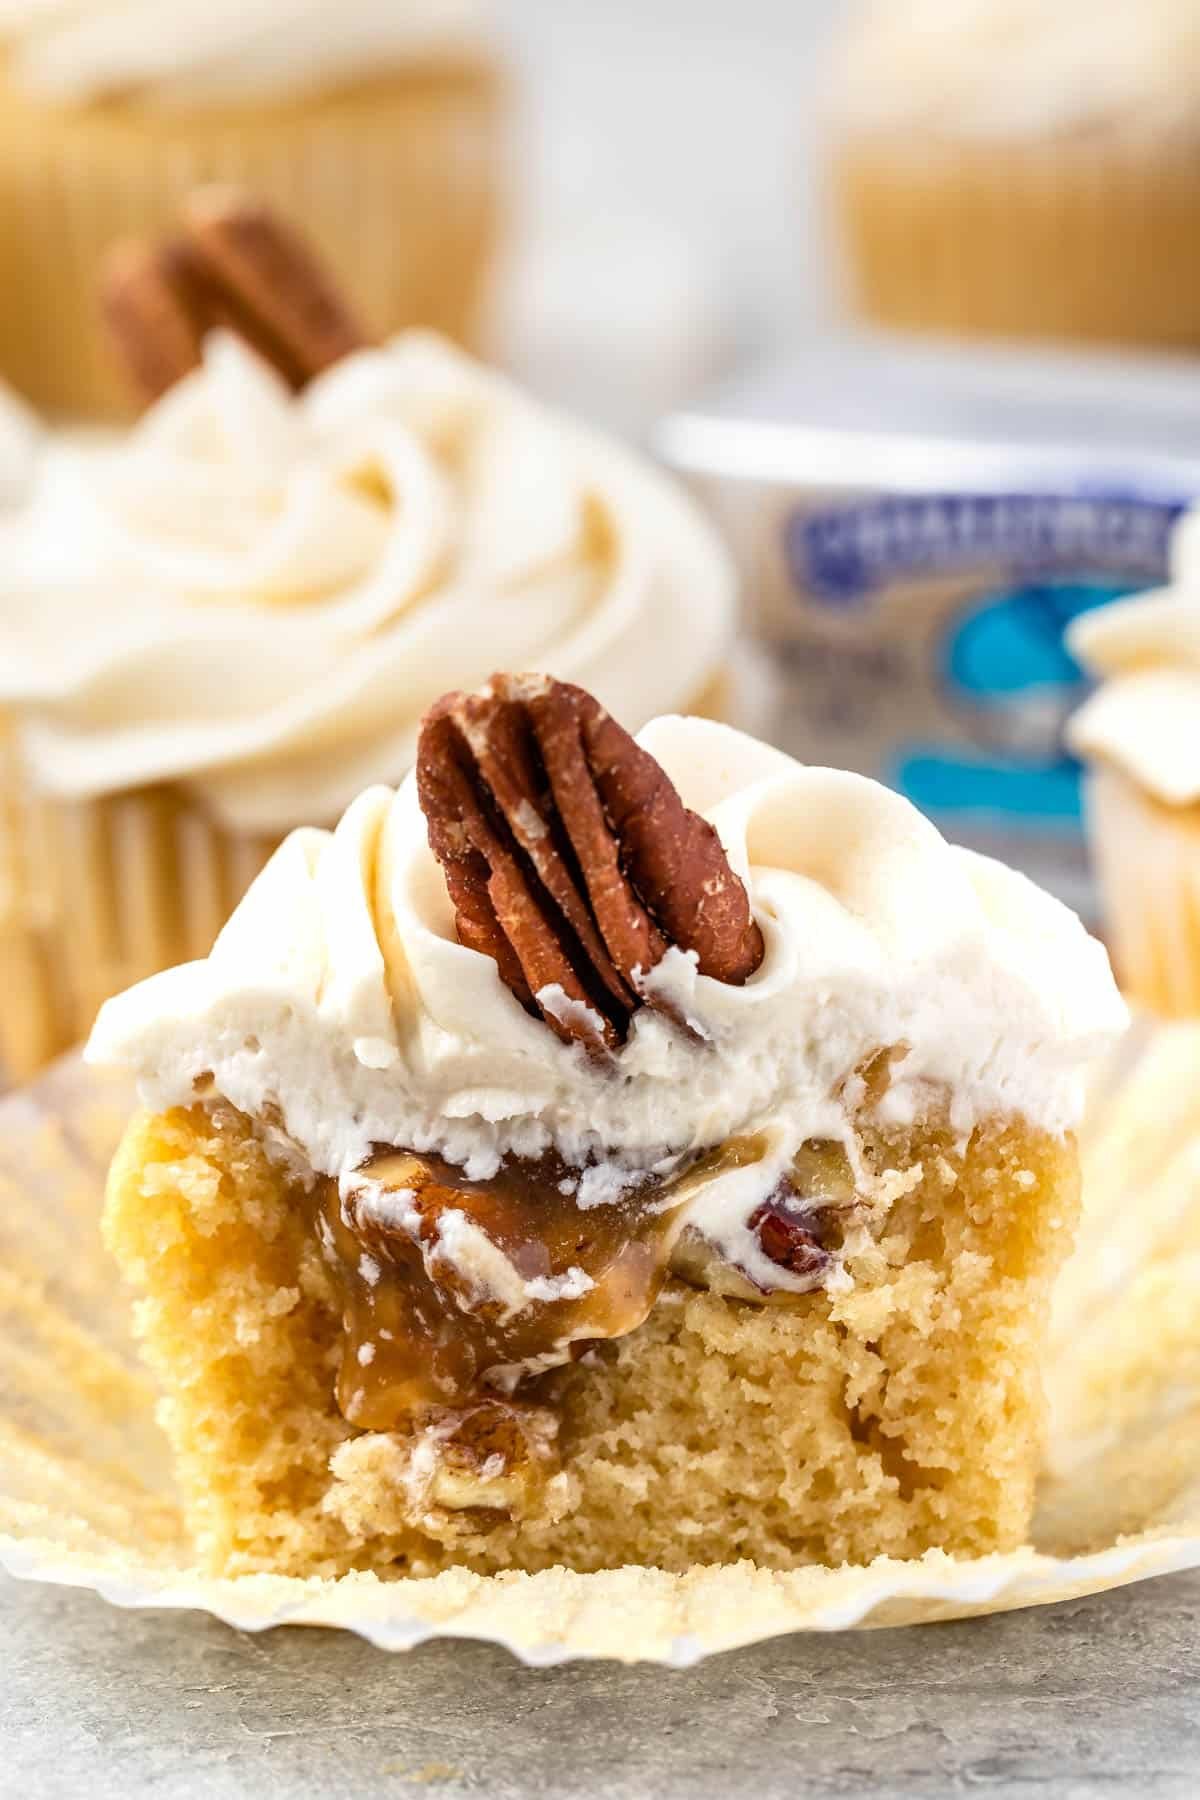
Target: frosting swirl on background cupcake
(1144,718)
(1001,68)
(259,595)
(196,52)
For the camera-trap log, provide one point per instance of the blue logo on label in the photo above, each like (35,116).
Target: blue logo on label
(1007,672)
(842,555)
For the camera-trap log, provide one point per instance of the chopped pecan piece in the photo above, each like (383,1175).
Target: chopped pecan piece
(790,1233)
(235,264)
(493,1457)
(569,856)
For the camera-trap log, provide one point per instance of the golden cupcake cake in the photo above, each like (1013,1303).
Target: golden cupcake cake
(1020,168)
(602,1152)
(380,123)
(1140,734)
(230,619)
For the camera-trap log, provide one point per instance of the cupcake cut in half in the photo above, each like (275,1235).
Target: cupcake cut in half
(228,621)
(605,1151)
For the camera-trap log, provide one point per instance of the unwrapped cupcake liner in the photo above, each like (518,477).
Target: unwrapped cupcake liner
(1147,858)
(96,894)
(1090,236)
(85,1487)
(399,181)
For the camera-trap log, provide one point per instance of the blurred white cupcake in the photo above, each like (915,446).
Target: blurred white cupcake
(1140,731)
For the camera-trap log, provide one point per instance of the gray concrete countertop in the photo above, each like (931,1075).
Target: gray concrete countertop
(1097,1697)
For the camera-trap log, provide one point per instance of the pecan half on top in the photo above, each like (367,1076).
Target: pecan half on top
(569,857)
(232,263)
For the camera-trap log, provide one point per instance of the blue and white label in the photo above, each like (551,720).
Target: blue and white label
(930,642)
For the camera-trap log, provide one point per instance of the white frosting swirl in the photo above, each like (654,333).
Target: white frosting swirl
(1000,68)
(1145,716)
(260,595)
(199,52)
(340,993)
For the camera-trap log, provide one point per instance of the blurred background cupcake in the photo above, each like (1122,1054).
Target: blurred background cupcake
(228,621)
(380,123)
(1022,167)
(1140,732)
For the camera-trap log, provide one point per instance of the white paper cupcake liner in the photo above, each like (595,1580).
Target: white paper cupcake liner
(98,893)
(85,1492)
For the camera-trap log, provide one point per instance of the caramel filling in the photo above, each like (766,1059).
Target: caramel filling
(459,1297)
(455,1293)
(452,1288)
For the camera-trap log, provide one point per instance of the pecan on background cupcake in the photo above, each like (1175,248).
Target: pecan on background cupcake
(381,123)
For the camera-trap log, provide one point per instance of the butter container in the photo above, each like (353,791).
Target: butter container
(917,525)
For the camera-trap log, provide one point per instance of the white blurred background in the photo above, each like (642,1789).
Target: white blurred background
(669,219)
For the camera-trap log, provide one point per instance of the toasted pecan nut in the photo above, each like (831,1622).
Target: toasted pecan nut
(274,277)
(234,264)
(148,309)
(570,857)
(674,858)
(498,908)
